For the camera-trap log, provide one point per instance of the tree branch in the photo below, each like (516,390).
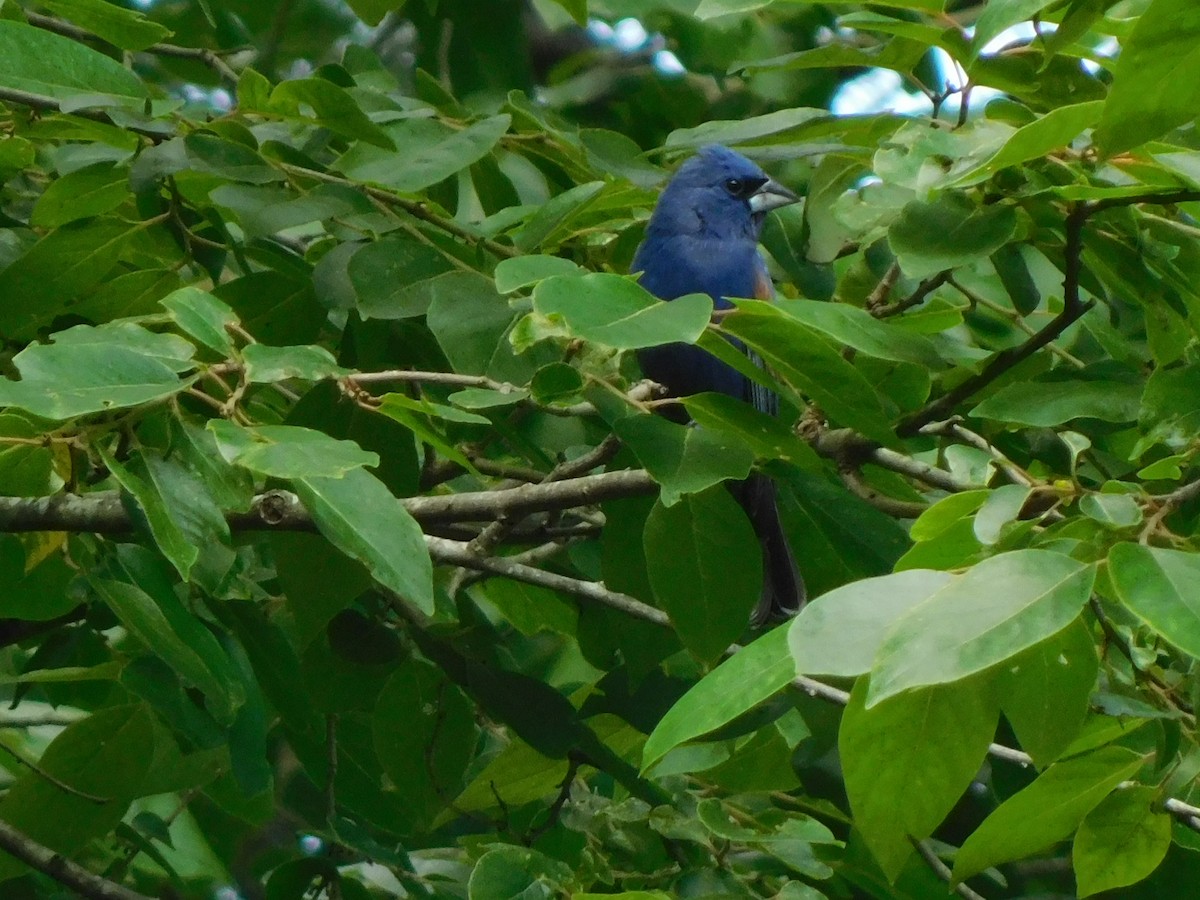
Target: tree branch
(103,513)
(64,871)
(1074,308)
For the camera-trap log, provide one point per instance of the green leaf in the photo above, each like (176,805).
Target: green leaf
(426,152)
(999,17)
(683,460)
(176,636)
(810,366)
(552,215)
(1052,403)
(213,155)
(615,311)
(908,760)
(799,827)
(705,567)
(266,364)
(1046,811)
(767,436)
(1045,134)
(1121,841)
(1001,507)
(397,278)
(836,536)
(333,108)
(523,271)
(201,315)
(743,130)
(37,61)
(267,209)
(840,633)
(288,451)
(424,756)
(106,755)
(1045,690)
(1162,588)
(168,535)
(38,593)
(751,676)
(930,237)
(363,520)
(124,28)
(517,775)
(55,272)
(1155,85)
(857,328)
(997,609)
(508,872)
(90,191)
(63,381)
(1113,510)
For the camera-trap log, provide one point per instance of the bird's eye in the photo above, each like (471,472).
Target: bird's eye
(735,186)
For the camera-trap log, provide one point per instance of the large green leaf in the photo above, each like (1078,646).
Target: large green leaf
(1155,86)
(90,191)
(997,609)
(749,677)
(173,633)
(613,310)
(424,756)
(1057,129)
(363,520)
(948,232)
(1052,403)
(288,451)
(857,328)
(40,62)
(909,759)
(1045,691)
(840,633)
(705,567)
(107,756)
(333,108)
(61,381)
(1121,841)
(810,366)
(52,275)
(395,278)
(683,460)
(1047,810)
(124,28)
(1162,588)
(426,152)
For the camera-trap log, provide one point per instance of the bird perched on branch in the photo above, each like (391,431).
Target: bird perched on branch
(703,239)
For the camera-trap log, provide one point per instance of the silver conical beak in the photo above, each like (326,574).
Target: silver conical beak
(771,195)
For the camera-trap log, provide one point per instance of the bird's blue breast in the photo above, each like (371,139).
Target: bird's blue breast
(674,266)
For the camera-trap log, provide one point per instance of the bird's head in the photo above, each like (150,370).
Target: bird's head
(720,193)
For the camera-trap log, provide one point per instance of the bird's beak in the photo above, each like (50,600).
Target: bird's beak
(771,195)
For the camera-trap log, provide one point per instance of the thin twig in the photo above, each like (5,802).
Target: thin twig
(942,870)
(199,54)
(418,209)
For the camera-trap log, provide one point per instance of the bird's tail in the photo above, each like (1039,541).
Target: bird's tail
(783,591)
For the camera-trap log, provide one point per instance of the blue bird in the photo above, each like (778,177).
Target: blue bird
(703,239)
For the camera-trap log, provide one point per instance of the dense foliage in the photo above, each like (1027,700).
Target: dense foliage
(341,550)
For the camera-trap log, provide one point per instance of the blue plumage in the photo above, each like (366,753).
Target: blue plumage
(703,239)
